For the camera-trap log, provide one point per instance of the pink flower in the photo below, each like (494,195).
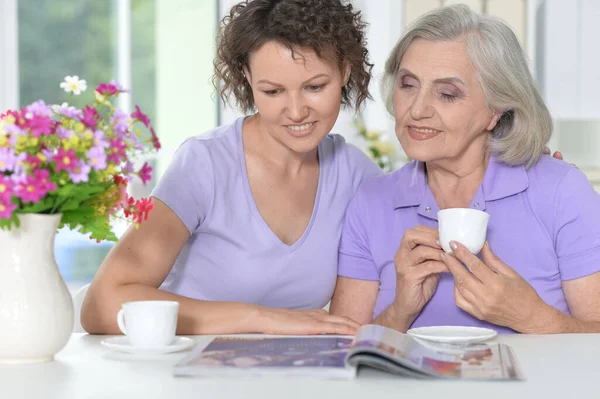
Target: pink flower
(65,160)
(40,125)
(10,112)
(116,151)
(145,173)
(42,177)
(139,115)
(6,186)
(33,161)
(6,207)
(121,183)
(107,89)
(143,206)
(90,117)
(155,141)
(30,190)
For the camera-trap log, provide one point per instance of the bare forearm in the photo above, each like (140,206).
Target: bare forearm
(553,321)
(99,313)
(393,318)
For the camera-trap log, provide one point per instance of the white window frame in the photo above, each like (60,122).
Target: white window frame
(9,62)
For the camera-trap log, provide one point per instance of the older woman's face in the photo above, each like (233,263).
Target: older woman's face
(439,106)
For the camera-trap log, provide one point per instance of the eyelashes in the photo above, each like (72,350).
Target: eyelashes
(444,96)
(310,88)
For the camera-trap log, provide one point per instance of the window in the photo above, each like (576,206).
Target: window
(162,50)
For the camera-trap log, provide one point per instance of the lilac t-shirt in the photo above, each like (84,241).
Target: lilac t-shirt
(232,254)
(544,223)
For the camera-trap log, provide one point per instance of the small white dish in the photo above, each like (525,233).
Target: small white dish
(452,334)
(122,344)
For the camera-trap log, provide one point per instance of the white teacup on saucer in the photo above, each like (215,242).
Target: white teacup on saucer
(122,344)
(149,324)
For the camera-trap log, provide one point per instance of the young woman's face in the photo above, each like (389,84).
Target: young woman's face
(298,96)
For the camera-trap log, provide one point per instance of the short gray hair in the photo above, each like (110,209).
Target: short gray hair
(525,125)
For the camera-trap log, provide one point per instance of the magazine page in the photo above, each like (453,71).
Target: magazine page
(316,356)
(393,351)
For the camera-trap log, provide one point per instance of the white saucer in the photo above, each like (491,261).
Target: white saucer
(122,344)
(452,334)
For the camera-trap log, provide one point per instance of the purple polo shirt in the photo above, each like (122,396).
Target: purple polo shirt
(544,223)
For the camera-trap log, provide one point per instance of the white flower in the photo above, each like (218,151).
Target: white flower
(72,84)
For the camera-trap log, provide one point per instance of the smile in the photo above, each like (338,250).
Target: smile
(301,128)
(422,133)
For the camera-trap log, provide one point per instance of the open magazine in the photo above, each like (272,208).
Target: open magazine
(331,357)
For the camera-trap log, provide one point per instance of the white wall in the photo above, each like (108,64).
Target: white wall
(571,58)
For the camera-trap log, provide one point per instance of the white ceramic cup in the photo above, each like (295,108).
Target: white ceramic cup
(464,225)
(149,324)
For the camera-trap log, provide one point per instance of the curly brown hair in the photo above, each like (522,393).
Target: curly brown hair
(331,28)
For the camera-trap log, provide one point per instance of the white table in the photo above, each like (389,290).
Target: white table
(559,366)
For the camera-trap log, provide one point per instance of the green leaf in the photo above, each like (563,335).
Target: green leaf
(9,223)
(45,205)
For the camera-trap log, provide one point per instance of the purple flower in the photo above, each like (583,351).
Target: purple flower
(119,86)
(99,140)
(8,160)
(20,164)
(97,158)
(39,108)
(80,172)
(64,133)
(69,111)
(120,122)
(14,130)
(127,168)
(49,154)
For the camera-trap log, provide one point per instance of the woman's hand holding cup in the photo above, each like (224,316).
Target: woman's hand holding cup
(418,267)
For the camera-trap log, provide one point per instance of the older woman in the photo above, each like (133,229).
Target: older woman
(468,112)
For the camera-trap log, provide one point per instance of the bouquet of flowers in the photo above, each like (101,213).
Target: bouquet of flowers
(379,149)
(76,162)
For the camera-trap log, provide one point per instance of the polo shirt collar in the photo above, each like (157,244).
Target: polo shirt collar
(500,181)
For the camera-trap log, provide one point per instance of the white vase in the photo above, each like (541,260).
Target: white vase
(36,309)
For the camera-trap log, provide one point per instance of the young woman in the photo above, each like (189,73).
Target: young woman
(246,224)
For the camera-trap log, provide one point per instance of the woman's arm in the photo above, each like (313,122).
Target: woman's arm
(356,299)
(583,297)
(141,260)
